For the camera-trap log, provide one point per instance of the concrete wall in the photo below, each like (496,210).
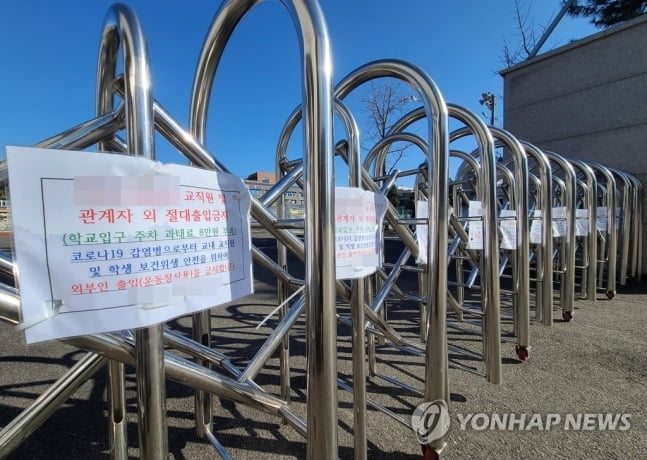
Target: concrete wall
(586,100)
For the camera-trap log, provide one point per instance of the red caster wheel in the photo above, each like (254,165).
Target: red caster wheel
(429,454)
(567,316)
(610,295)
(523,353)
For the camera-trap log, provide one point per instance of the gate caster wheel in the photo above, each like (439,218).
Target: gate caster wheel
(567,316)
(610,295)
(523,353)
(429,454)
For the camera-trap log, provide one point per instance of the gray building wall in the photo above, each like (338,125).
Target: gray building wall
(586,100)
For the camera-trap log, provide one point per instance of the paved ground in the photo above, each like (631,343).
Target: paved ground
(596,364)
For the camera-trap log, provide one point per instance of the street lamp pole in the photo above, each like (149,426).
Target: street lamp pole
(488,99)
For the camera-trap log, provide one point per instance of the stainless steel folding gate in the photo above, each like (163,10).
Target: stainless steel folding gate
(528,191)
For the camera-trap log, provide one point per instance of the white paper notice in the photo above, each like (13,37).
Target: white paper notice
(559,222)
(581,222)
(358,231)
(618,217)
(536,226)
(602,218)
(422,230)
(508,227)
(108,242)
(475,228)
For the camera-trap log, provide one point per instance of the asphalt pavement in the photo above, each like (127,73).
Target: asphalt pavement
(580,375)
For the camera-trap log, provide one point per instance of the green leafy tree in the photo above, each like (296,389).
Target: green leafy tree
(605,13)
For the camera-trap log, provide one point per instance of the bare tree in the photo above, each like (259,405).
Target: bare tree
(526,37)
(383,103)
(602,13)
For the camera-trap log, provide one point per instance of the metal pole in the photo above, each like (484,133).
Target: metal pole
(523,241)
(359,368)
(122,28)
(317,109)
(21,427)
(357,298)
(117,426)
(568,262)
(489,264)
(591,201)
(436,363)
(488,99)
(610,203)
(545,250)
(550,28)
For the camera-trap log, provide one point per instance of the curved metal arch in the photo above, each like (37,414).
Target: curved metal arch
(122,30)
(407,120)
(490,250)
(353,151)
(592,185)
(637,226)
(377,155)
(569,242)
(317,108)
(468,159)
(545,250)
(487,193)
(350,150)
(490,259)
(420,81)
(436,364)
(612,243)
(625,225)
(559,192)
(521,185)
(505,175)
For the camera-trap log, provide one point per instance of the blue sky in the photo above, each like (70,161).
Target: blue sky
(49,52)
